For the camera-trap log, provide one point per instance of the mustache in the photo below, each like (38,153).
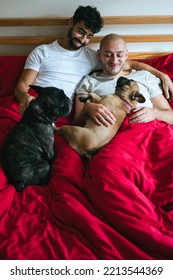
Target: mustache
(76,39)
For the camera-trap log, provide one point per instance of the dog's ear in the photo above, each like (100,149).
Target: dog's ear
(34,106)
(36,88)
(137,96)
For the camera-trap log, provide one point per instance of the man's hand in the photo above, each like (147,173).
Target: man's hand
(100,114)
(167,87)
(143,115)
(24,102)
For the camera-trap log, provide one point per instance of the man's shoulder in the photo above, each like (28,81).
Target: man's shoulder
(89,51)
(45,47)
(91,56)
(141,72)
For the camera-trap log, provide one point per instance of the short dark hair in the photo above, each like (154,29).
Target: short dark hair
(91,16)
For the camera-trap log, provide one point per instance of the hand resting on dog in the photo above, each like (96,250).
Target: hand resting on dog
(92,137)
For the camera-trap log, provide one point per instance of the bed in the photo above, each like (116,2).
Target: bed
(116,206)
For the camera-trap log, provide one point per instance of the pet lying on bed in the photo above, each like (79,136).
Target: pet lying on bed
(28,149)
(89,139)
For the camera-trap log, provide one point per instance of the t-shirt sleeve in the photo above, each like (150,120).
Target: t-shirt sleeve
(154,85)
(84,87)
(35,59)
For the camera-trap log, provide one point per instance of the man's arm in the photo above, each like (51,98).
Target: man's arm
(21,91)
(79,116)
(98,112)
(161,111)
(166,81)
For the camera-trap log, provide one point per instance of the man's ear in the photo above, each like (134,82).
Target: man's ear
(70,22)
(98,54)
(127,53)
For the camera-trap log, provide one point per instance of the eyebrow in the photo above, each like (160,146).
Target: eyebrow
(118,52)
(81,29)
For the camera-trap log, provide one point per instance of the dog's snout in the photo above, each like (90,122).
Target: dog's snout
(65,105)
(66,100)
(123,81)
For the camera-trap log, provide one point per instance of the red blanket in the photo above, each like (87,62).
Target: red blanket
(118,205)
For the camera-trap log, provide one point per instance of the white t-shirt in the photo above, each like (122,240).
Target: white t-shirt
(61,68)
(149,85)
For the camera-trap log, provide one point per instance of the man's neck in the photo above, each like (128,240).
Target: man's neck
(121,73)
(104,74)
(64,44)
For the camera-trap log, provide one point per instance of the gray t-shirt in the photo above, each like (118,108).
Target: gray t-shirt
(149,85)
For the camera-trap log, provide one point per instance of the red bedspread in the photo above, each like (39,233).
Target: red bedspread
(118,205)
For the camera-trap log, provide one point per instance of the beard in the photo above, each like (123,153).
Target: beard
(72,41)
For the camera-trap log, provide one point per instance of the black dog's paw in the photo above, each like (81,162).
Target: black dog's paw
(20,187)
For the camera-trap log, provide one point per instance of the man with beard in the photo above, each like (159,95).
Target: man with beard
(65,62)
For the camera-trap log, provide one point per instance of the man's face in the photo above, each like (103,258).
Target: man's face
(79,35)
(113,55)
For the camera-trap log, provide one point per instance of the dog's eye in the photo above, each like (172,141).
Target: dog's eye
(62,104)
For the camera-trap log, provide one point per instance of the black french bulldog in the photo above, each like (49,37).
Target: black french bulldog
(28,150)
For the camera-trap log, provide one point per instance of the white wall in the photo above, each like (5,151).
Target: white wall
(55,8)
(36,8)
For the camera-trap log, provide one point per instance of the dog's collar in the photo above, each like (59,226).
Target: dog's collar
(128,106)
